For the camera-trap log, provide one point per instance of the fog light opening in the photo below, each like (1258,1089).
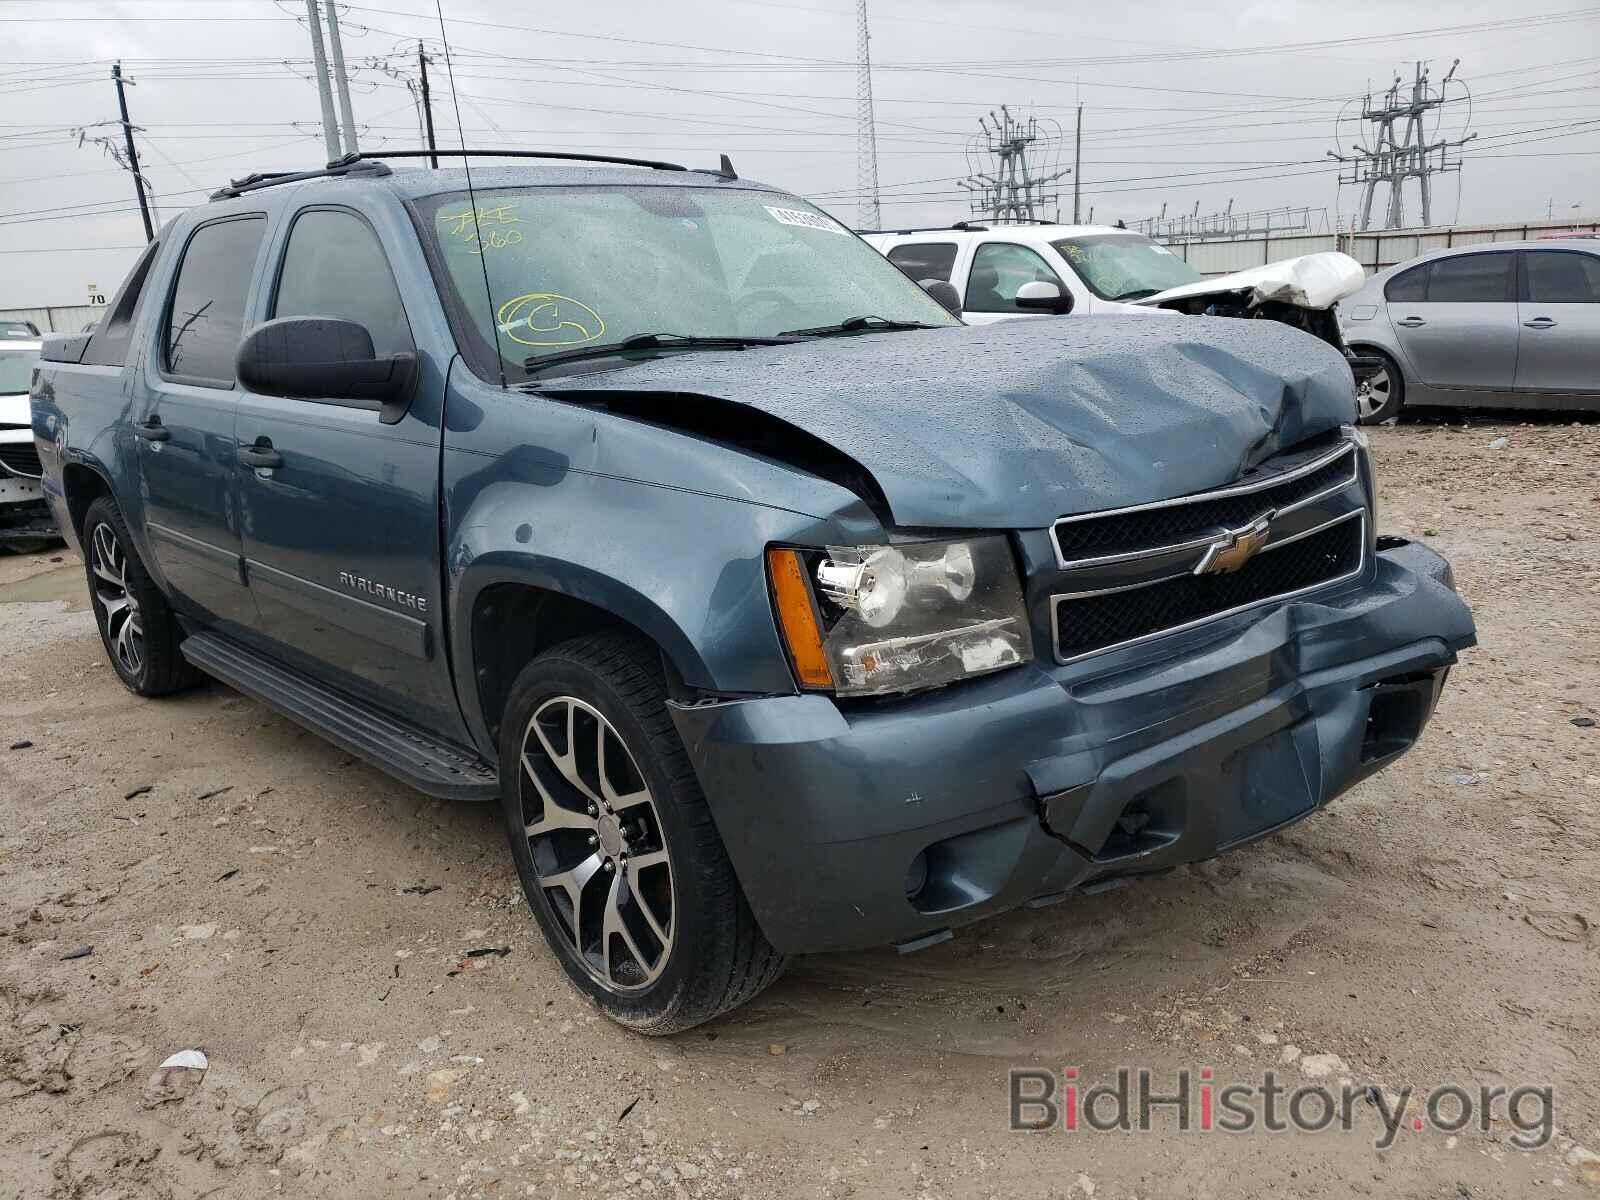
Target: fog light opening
(917,875)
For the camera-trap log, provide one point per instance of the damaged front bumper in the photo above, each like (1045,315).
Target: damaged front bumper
(25,517)
(896,822)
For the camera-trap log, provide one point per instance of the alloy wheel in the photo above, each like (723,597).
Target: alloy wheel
(123,623)
(598,848)
(1373,393)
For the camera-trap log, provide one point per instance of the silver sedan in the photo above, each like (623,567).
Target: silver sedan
(1501,325)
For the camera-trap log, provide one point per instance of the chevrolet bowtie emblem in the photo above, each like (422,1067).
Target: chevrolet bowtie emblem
(1235,547)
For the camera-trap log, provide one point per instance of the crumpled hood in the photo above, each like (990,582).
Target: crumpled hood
(1310,281)
(1016,424)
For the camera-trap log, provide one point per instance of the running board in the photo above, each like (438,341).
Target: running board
(401,750)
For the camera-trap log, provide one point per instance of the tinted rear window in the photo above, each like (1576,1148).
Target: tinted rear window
(206,319)
(1409,285)
(925,260)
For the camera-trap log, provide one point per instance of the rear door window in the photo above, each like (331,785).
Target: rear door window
(1562,277)
(1408,286)
(925,260)
(1471,279)
(206,317)
(999,269)
(334,266)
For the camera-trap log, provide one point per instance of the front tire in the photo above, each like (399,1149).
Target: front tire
(615,845)
(1380,397)
(137,626)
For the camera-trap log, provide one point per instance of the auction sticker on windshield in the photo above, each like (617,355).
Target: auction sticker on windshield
(800,219)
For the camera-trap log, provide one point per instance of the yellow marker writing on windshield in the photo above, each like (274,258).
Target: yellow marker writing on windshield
(546,319)
(476,227)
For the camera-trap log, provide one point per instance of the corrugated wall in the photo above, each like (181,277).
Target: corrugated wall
(67,318)
(1374,251)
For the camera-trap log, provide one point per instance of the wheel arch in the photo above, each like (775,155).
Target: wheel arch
(81,485)
(504,618)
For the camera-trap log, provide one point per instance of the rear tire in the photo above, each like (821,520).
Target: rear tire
(1380,397)
(137,626)
(615,845)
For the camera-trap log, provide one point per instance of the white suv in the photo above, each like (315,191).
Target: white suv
(25,520)
(1004,272)
(1096,269)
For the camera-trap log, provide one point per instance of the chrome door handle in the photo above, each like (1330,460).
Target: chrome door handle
(1410,322)
(1540,323)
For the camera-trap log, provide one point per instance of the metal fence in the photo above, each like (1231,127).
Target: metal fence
(1374,250)
(56,318)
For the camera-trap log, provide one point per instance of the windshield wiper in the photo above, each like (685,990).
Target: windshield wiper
(1138,294)
(867,324)
(650,341)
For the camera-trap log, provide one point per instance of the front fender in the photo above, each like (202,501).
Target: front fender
(685,569)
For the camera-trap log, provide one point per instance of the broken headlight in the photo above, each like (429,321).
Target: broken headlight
(904,617)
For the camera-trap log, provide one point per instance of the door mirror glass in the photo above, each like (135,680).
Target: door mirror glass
(1043,296)
(944,292)
(326,359)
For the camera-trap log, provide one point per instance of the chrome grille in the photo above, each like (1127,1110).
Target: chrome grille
(1153,525)
(1127,576)
(1088,624)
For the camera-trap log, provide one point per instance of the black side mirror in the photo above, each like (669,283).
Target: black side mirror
(323,358)
(942,291)
(1044,296)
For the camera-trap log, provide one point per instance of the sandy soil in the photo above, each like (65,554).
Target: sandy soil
(253,892)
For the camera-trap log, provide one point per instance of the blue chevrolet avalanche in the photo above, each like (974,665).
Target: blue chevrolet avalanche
(779,611)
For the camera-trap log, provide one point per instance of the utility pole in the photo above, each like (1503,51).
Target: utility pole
(343,80)
(330,127)
(869,213)
(1012,192)
(133,154)
(1077,165)
(427,107)
(1395,158)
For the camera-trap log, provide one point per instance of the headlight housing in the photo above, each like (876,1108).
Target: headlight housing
(874,620)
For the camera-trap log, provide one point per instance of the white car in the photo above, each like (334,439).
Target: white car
(25,520)
(1005,272)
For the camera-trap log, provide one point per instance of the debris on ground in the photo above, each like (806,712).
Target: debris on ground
(176,1078)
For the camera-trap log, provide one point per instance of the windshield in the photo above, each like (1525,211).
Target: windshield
(16,369)
(574,266)
(1124,266)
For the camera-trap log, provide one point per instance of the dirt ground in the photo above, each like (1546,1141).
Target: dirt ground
(253,892)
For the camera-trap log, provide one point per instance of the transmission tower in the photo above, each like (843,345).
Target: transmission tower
(1393,158)
(1012,189)
(869,214)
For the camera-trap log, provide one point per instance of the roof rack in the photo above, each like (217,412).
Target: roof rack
(653,164)
(963,226)
(372,166)
(350,164)
(966,226)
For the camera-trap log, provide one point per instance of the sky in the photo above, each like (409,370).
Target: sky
(1183,104)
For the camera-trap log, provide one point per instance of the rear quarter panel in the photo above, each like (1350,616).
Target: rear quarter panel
(80,420)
